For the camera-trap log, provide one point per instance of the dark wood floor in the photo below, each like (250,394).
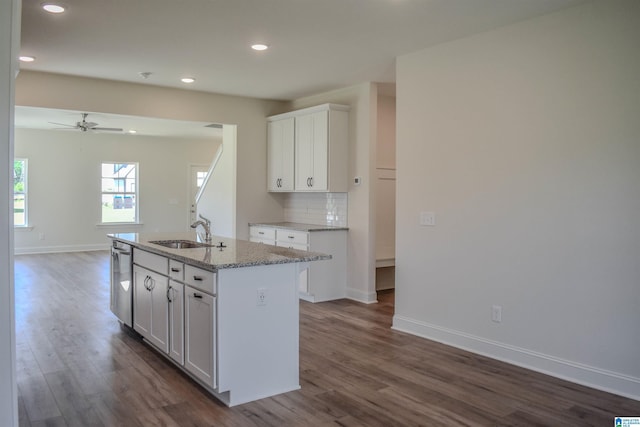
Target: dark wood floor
(76,367)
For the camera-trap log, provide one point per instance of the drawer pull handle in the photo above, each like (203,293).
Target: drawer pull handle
(197,296)
(260,232)
(175,270)
(197,278)
(291,237)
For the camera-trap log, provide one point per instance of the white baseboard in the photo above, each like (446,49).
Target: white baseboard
(64,248)
(579,373)
(364,297)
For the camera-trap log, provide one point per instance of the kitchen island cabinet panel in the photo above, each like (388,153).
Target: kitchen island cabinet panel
(200,337)
(151,317)
(175,296)
(258,342)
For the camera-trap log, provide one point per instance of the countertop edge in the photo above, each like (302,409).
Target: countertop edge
(175,254)
(299,226)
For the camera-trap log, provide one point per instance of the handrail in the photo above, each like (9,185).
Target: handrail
(216,159)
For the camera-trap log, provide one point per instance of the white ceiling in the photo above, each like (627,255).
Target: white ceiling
(315,45)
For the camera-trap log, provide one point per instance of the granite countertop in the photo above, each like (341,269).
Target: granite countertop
(236,254)
(298,226)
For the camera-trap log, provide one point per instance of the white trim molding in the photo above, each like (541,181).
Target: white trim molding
(363,297)
(575,372)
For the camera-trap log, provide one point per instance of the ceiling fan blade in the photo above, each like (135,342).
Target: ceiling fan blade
(88,125)
(62,124)
(107,129)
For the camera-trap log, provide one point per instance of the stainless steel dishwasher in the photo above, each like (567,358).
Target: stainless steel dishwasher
(121,283)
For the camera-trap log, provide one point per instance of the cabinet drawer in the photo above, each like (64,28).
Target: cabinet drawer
(201,279)
(292,236)
(263,233)
(260,240)
(176,270)
(292,245)
(151,261)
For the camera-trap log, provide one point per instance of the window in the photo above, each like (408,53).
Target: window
(119,192)
(20,192)
(200,176)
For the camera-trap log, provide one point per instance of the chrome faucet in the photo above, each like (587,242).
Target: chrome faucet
(206,224)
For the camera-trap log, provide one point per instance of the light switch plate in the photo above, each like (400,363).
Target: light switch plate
(427,218)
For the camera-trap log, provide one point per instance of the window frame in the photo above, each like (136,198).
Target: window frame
(118,191)
(25,180)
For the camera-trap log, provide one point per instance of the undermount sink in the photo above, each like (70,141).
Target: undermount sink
(180,244)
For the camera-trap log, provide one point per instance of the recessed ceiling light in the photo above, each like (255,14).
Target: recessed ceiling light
(187,80)
(132,131)
(27,58)
(53,8)
(259,46)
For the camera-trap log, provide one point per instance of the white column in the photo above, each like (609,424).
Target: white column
(9,45)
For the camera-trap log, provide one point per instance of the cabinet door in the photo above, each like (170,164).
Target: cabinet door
(159,333)
(141,301)
(280,145)
(312,151)
(175,296)
(150,312)
(200,335)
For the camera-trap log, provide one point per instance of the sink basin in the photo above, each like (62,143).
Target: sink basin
(179,244)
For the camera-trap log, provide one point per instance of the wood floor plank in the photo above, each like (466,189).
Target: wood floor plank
(71,400)
(76,366)
(38,399)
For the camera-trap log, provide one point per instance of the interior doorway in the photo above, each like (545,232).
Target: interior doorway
(197,177)
(385,189)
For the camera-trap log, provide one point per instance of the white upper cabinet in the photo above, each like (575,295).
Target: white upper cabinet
(312,152)
(310,145)
(280,146)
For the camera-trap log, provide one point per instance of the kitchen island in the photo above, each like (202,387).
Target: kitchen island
(226,312)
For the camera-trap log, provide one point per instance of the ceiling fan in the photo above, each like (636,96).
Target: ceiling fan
(84,125)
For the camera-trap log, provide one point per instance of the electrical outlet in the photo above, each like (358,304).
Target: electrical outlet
(427,218)
(262,296)
(496,313)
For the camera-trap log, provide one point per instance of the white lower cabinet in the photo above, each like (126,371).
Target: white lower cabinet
(323,280)
(151,316)
(176,313)
(199,331)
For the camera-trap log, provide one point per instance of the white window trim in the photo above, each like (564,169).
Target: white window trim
(26,225)
(137,195)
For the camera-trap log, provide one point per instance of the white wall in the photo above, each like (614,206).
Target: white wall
(524,141)
(64,185)
(217,201)
(362,139)
(386,134)
(254,203)
(9,47)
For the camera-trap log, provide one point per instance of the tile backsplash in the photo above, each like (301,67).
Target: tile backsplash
(316,208)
